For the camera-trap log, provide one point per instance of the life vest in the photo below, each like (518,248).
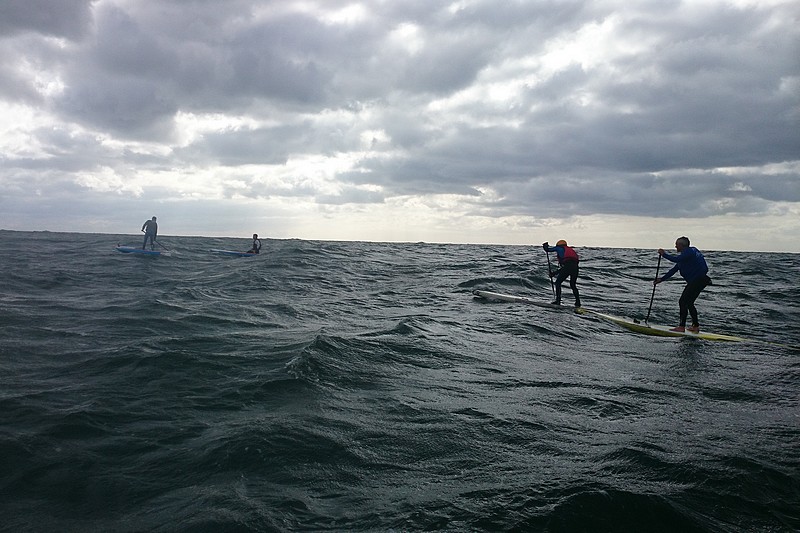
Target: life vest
(569,255)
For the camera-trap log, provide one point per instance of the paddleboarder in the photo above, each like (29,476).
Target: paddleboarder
(150,229)
(568,261)
(693,268)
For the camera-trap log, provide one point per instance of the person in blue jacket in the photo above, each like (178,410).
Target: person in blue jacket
(568,261)
(693,268)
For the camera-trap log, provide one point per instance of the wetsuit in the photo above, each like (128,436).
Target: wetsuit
(693,268)
(150,229)
(568,260)
(256,247)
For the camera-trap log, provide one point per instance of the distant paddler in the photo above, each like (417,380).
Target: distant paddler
(150,229)
(693,268)
(568,261)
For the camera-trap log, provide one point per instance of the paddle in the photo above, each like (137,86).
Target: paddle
(654,290)
(549,270)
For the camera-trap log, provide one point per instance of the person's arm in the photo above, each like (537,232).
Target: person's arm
(670,257)
(680,257)
(548,248)
(669,274)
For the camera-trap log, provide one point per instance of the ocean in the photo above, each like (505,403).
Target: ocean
(359,387)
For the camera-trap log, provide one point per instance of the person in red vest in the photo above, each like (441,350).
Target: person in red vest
(568,261)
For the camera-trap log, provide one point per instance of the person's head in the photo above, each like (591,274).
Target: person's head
(154,218)
(562,242)
(682,243)
(255,235)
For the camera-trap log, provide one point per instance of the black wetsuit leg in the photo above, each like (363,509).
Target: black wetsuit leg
(568,270)
(573,284)
(688,297)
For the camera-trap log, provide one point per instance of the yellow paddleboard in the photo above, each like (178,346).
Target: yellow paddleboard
(661,331)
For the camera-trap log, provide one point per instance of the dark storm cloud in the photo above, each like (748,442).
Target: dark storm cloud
(146,60)
(678,196)
(135,75)
(264,146)
(70,19)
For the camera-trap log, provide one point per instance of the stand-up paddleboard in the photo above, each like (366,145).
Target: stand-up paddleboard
(134,250)
(661,331)
(498,297)
(233,253)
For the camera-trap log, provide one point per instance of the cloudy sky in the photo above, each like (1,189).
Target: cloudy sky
(608,123)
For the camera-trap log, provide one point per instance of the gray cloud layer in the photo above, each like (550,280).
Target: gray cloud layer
(638,120)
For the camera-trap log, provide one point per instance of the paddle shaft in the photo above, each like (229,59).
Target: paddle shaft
(552,285)
(159,243)
(658,266)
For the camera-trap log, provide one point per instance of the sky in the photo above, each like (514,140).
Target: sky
(605,123)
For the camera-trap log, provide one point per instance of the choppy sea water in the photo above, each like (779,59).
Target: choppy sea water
(350,386)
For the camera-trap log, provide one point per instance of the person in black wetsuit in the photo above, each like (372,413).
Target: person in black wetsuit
(150,229)
(568,260)
(693,268)
(256,245)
